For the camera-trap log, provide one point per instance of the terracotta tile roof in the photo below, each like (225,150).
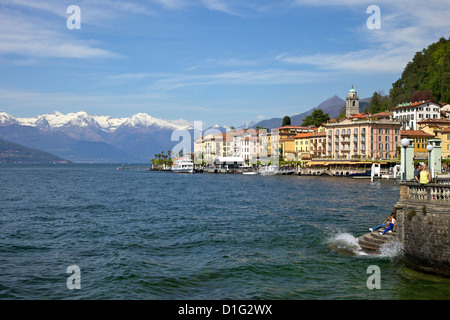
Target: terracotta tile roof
(359,116)
(294,127)
(415,133)
(303,135)
(381,114)
(434,121)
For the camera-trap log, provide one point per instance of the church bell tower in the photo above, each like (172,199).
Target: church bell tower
(351,103)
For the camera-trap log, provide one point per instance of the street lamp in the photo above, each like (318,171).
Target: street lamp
(405,144)
(429,148)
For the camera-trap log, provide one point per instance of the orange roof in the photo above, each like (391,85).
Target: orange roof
(415,133)
(434,121)
(293,127)
(382,114)
(359,116)
(303,135)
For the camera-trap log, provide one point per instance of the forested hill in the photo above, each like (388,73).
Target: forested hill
(427,76)
(16,153)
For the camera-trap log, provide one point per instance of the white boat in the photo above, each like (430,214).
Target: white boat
(268,170)
(275,170)
(183,165)
(249,170)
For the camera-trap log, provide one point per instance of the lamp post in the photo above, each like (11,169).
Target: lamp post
(405,144)
(429,148)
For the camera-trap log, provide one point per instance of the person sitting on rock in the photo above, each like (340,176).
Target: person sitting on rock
(384,224)
(392,225)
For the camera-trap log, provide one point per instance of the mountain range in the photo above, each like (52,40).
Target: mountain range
(80,137)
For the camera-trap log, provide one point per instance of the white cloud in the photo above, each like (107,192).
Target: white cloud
(218,5)
(406,27)
(29,36)
(166,82)
(363,61)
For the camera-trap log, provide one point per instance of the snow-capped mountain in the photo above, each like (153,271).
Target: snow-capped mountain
(83,137)
(6,119)
(57,120)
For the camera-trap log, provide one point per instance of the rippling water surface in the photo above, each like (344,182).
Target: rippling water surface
(137,234)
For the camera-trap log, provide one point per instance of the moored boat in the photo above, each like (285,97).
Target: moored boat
(183,165)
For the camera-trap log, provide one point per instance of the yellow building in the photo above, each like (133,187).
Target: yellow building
(288,149)
(439,128)
(420,141)
(445,144)
(282,133)
(303,146)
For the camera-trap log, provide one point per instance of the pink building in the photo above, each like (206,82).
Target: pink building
(363,138)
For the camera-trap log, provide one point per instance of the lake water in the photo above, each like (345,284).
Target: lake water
(136,234)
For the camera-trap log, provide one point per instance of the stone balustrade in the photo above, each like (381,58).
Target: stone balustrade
(438,191)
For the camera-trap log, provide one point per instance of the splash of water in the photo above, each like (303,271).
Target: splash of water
(345,242)
(391,249)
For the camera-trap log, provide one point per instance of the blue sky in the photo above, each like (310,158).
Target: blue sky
(218,61)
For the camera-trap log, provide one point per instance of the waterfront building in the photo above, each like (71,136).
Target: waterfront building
(302,146)
(282,133)
(420,140)
(439,128)
(363,138)
(409,114)
(288,151)
(361,135)
(249,144)
(318,144)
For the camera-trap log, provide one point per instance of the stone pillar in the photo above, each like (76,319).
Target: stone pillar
(409,161)
(435,165)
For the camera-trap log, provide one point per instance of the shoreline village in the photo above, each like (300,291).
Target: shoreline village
(354,144)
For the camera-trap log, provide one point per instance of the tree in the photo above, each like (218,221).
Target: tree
(422,95)
(286,121)
(375,103)
(428,70)
(316,118)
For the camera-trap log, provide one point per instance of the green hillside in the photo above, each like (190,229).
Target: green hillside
(427,76)
(16,153)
